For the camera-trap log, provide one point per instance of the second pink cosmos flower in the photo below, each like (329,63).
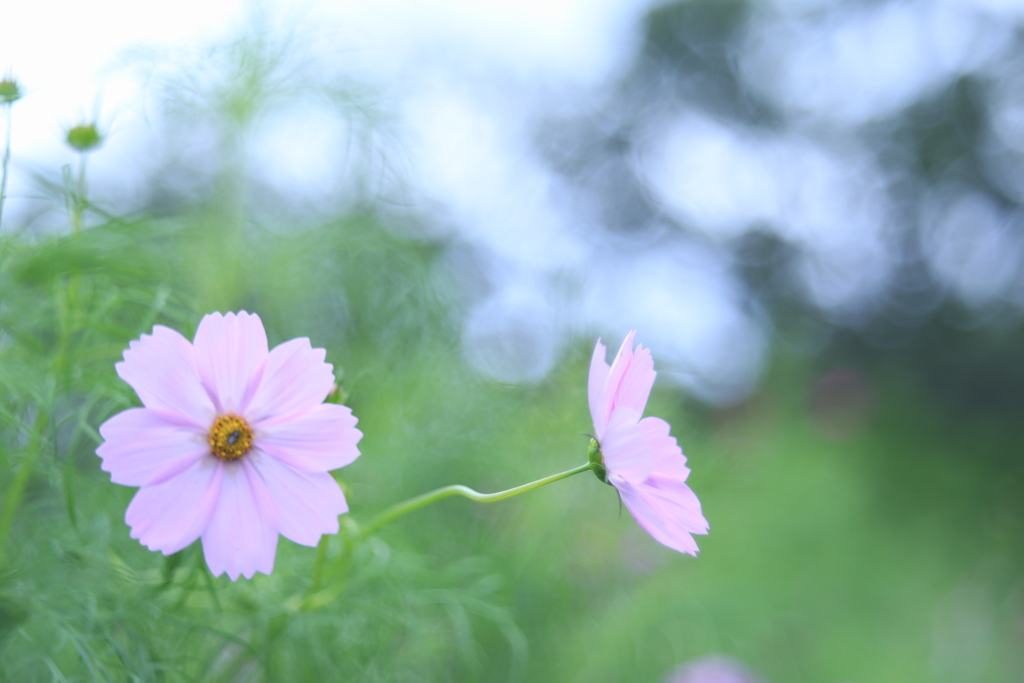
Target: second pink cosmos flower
(641,460)
(234,443)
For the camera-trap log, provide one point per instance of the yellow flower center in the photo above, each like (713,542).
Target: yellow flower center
(230,437)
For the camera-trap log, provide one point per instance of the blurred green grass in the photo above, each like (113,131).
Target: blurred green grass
(890,554)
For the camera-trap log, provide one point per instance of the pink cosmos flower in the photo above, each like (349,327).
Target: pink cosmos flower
(641,460)
(233,445)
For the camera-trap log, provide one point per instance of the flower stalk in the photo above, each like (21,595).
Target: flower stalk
(317,595)
(9,94)
(6,159)
(16,489)
(421,501)
(82,139)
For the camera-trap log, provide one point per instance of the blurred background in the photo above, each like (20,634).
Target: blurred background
(811,211)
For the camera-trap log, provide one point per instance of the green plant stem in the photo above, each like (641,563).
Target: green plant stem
(79,196)
(413,504)
(318,567)
(6,160)
(16,490)
(316,597)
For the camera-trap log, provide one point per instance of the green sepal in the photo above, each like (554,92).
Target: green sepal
(596,461)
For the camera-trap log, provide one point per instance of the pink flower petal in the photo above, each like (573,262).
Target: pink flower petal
(307,503)
(668,485)
(296,378)
(643,459)
(637,380)
(170,515)
(661,522)
(615,373)
(143,446)
(664,447)
(231,351)
(161,368)
(241,538)
(625,447)
(321,439)
(596,389)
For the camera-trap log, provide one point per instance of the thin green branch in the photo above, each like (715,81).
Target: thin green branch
(16,490)
(405,507)
(6,160)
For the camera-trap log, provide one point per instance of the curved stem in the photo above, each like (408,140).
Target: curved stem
(407,506)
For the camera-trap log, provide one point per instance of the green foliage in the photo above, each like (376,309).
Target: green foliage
(79,599)
(820,550)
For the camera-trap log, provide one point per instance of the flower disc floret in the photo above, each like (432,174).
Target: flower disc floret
(230,437)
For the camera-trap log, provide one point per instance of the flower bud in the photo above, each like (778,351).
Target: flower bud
(10,92)
(337,394)
(84,138)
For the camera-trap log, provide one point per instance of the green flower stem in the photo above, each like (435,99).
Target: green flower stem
(78,196)
(6,158)
(316,597)
(413,504)
(16,489)
(318,567)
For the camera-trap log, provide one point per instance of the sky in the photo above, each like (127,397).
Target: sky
(466,82)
